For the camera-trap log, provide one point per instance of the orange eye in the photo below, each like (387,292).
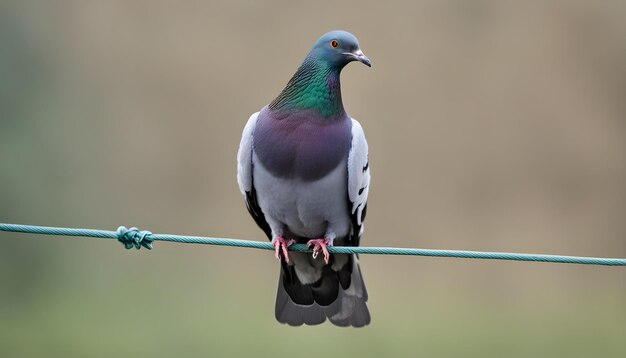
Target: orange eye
(334,43)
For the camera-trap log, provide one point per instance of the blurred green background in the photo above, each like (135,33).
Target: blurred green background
(493,125)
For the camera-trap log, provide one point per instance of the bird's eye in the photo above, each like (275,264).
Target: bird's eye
(334,44)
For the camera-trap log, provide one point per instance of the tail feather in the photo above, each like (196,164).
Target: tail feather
(353,313)
(340,296)
(293,314)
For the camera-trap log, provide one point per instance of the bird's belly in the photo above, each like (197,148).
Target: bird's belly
(305,208)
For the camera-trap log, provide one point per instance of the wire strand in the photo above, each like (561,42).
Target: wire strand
(134,238)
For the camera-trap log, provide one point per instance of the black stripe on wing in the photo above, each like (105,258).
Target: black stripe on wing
(355,237)
(255,211)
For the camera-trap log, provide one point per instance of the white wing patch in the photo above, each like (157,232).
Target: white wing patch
(358,173)
(244,156)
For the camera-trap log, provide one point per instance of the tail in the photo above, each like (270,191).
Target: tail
(339,295)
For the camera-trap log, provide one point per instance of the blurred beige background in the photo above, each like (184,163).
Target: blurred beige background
(497,126)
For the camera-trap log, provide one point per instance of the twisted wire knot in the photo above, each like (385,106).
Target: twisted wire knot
(134,238)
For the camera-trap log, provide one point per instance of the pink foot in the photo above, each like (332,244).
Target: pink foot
(280,244)
(320,245)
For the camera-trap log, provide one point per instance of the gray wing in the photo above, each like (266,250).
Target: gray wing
(244,175)
(358,180)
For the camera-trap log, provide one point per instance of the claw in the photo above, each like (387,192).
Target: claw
(320,245)
(280,244)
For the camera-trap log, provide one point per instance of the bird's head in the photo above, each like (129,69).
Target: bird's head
(338,48)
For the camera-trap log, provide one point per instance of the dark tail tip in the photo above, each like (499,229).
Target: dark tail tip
(347,309)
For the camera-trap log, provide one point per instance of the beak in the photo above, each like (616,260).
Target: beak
(358,55)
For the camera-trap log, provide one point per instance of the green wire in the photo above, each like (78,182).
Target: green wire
(135,238)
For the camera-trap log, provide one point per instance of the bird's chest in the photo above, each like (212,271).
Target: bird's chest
(297,147)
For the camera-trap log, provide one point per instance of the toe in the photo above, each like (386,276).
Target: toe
(326,255)
(319,245)
(316,252)
(284,247)
(277,251)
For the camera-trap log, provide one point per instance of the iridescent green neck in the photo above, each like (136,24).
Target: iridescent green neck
(314,86)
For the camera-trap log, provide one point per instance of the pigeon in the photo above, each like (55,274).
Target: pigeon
(303,170)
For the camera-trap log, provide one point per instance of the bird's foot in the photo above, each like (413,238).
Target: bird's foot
(320,245)
(280,244)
